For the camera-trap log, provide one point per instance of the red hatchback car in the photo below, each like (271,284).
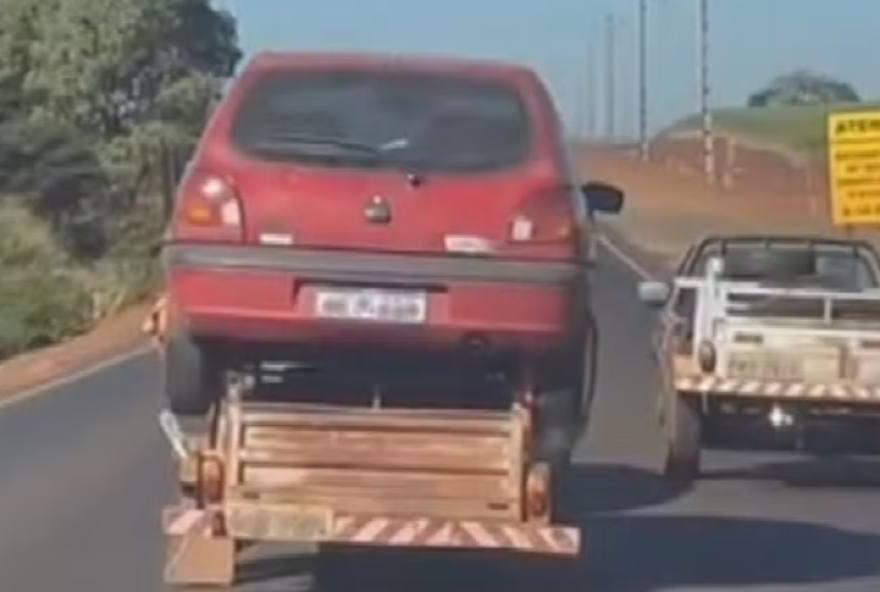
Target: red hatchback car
(356,203)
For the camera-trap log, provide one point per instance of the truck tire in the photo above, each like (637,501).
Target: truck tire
(193,377)
(564,508)
(683,427)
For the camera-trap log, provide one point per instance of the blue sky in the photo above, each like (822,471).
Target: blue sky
(752,41)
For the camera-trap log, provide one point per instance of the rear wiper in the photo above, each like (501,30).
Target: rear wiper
(382,154)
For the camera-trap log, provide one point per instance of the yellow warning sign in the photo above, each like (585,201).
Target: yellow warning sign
(854,167)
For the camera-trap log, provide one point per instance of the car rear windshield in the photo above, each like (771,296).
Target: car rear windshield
(423,121)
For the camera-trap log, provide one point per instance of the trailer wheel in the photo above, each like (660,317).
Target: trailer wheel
(193,376)
(683,427)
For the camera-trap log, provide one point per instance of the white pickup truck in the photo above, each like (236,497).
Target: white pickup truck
(784,327)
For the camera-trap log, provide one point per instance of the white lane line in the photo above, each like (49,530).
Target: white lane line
(626,259)
(107,364)
(54,386)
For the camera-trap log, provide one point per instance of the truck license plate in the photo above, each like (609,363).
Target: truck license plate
(372,305)
(765,367)
(279,522)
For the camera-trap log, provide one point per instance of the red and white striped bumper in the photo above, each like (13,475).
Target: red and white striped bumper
(427,532)
(185,521)
(726,387)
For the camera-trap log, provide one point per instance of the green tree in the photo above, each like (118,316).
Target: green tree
(106,87)
(803,87)
(94,97)
(107,64)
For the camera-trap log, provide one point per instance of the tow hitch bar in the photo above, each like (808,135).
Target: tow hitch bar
(779,418)
(173,432)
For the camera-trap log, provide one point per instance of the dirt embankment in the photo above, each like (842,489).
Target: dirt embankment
(669,204)
(744,168)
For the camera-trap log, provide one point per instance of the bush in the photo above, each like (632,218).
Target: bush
(117,282)
(43,297)
(40,308)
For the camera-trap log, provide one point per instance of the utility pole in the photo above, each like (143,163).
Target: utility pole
(593,87)
(705,94)
(610,79)
(644,148)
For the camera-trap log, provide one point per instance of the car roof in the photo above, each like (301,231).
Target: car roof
(432,63)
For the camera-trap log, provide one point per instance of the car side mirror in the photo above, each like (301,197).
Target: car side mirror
(603,198)
(654,293)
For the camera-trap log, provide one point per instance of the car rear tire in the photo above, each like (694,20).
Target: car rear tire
(565,385)
(684,438)
(193,376)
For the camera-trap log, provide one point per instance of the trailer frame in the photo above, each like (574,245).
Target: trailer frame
(289,472)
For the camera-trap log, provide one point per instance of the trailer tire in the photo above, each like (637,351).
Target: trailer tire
(683,427)
(193,376)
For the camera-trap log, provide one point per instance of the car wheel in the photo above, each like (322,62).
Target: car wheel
(565,386)
(193,376)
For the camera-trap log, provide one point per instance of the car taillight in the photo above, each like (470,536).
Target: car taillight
(544,217)
(208,208)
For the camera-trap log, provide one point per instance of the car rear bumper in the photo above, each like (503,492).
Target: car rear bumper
(267,294)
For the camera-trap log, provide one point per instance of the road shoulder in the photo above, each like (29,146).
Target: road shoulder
(112,339)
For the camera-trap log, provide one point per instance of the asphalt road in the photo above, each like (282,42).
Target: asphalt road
(84,472)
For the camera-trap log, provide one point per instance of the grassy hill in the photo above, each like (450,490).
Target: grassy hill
(798,132)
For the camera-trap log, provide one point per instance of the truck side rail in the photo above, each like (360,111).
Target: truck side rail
(725,305)
(730,298)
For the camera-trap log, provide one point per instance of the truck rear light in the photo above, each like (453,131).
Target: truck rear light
(707,357)
(866,369)
(545,216)
(208,209)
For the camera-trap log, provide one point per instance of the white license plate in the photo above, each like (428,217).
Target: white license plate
(372,305)
(765,367)
(279,522)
